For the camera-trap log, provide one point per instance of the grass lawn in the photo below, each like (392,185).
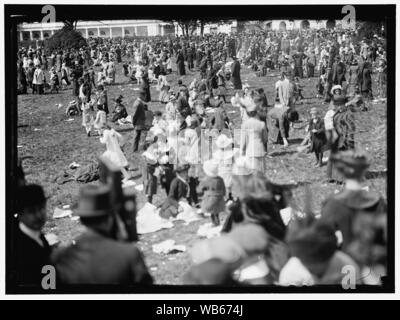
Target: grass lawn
(54,143)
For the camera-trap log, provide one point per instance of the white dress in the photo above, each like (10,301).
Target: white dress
(112,140)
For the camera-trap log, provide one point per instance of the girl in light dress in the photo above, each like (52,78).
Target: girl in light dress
(88,116)
(101,119)
(113,140)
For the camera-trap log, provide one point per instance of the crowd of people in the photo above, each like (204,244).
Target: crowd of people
(191,149)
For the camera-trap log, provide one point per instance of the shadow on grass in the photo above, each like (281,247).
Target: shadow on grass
(281,153)
(375,174)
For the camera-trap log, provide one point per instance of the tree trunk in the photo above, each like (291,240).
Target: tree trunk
(202,28)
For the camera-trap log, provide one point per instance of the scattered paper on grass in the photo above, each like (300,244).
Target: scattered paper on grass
(294,273)
(210,110)
(232,111)
(257,270)
(128,183)
(74,165)
(148,220)
(69,120)
(168,246)
(140,187)
(188,213)
(366,188)
(19,146)
(208,231)
(37,129)
(52,239)
(67,206)
(74,218)
(61,213)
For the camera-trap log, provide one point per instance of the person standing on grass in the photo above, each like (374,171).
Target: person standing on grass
(180,63)
(254,139)
(283,88)
(39,80)
(138,119)
(96,257)
(235,74)
(317,133)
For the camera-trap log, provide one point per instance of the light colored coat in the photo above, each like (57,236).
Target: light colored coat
(252,144)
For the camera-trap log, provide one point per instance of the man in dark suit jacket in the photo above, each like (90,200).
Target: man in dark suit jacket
(96,257)
(32,250)
(138,119)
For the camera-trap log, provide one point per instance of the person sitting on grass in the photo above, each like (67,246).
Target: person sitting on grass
(119,110)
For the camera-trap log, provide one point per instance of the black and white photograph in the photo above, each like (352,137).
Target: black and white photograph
(199,148)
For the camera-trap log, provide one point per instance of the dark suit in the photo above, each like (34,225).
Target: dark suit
(96,259)
(30,258)
(138,121)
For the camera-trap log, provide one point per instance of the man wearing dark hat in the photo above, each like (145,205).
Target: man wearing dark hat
(32,250)
(179,190)
(119,110)
(138,119)
(338,71)
(235,74)
(96,258)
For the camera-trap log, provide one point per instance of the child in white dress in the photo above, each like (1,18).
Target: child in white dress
(112,139)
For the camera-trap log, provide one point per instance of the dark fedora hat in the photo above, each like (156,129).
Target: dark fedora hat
(350,163)
(94,201)
(30,195)
(182,167)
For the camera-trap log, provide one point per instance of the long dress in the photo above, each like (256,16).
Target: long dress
(180,64)
(163,87)
(87,117)
(112,140)
(235,75)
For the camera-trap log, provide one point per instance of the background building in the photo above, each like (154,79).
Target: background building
(104,28)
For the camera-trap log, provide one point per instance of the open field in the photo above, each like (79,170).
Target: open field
(56,143)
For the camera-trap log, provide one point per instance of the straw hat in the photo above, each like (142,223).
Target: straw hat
(337,87)
(242,167)
(94,201)
(210,168)
(314,110)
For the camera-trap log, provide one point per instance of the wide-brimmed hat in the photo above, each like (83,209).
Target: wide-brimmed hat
(314,110)
(94,201)
(210,168)
(350,163)
(149,157)
(242,166)
(30,195)
(223,141)
(336,87)
(182,167)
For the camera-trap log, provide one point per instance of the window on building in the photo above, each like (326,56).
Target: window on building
(282,26)
(91,33)
(142,31)
(36,35)
(102,33)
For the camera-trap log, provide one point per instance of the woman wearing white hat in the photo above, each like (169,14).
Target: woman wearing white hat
(254,139)
(214,191)
(225,156)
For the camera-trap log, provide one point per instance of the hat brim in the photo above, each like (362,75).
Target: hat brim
(91,213)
